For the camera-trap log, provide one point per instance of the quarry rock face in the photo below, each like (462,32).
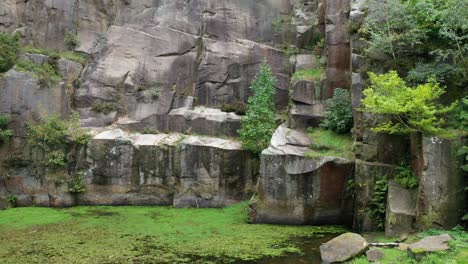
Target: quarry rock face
(167,169)
(294,189)
(441,183)
(401,210)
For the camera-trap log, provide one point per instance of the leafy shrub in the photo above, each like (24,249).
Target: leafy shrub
(378,205)
(411,109)
(339,114)
(53,131)
(105,108)
(56,159)
(5,133)
(46,73)
(77,185)
(9,49)
(258,125)
(237,107)
(12,199)
(71,40)
(406,177)
(152,92)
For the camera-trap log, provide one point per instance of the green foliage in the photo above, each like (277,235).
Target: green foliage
(73,56)
(9,49)
(56,159)
(12,200)
(46,73)
(52,134)
(238,107)
(153,92)
(411,109)
(134,234)
(406,177)
(71,40)
(315,74)
(328,143)
(339,114)
(426,38)
(378,205)
(5,133)
(77,185)
(258,125)
(105,108)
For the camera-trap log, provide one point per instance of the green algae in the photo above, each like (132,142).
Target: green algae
(143,235)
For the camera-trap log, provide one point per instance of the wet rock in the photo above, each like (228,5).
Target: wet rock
(374,255)
(428,245)
(294,189)
(401,210)
(440,204)
(343,248)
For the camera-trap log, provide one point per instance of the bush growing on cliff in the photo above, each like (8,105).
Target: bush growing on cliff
(5,133)
(9,49)
(258,125)
(339,114)
(411,109)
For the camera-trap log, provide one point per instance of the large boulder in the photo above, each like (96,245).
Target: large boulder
(429,244)
(343,248)
(294,189)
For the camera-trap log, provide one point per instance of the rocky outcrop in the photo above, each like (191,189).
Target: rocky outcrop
(167,169)
(440,199)
(294,189)
(343,248)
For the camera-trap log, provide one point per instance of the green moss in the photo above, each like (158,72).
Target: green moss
(142,235)
(328,143)
(69,55)
(315,74)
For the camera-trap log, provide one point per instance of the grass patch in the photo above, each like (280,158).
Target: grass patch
(328,143)
(142,235)
(46,73)
(457,254)
(315,74)
(69,55)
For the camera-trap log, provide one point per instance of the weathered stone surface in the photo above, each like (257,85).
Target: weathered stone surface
(338,43)
(306,61)
(428,245)
(22,98)
(296,190)
(308,92)
(167,169)
(439,201)
(304,116)
(366,174)
(343,248)
(401,210)
(374,255)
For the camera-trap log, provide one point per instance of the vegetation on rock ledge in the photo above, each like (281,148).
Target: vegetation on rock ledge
(258,125)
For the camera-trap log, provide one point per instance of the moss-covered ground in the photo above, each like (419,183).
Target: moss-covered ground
(328,143)
(458,253)
(142,235)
